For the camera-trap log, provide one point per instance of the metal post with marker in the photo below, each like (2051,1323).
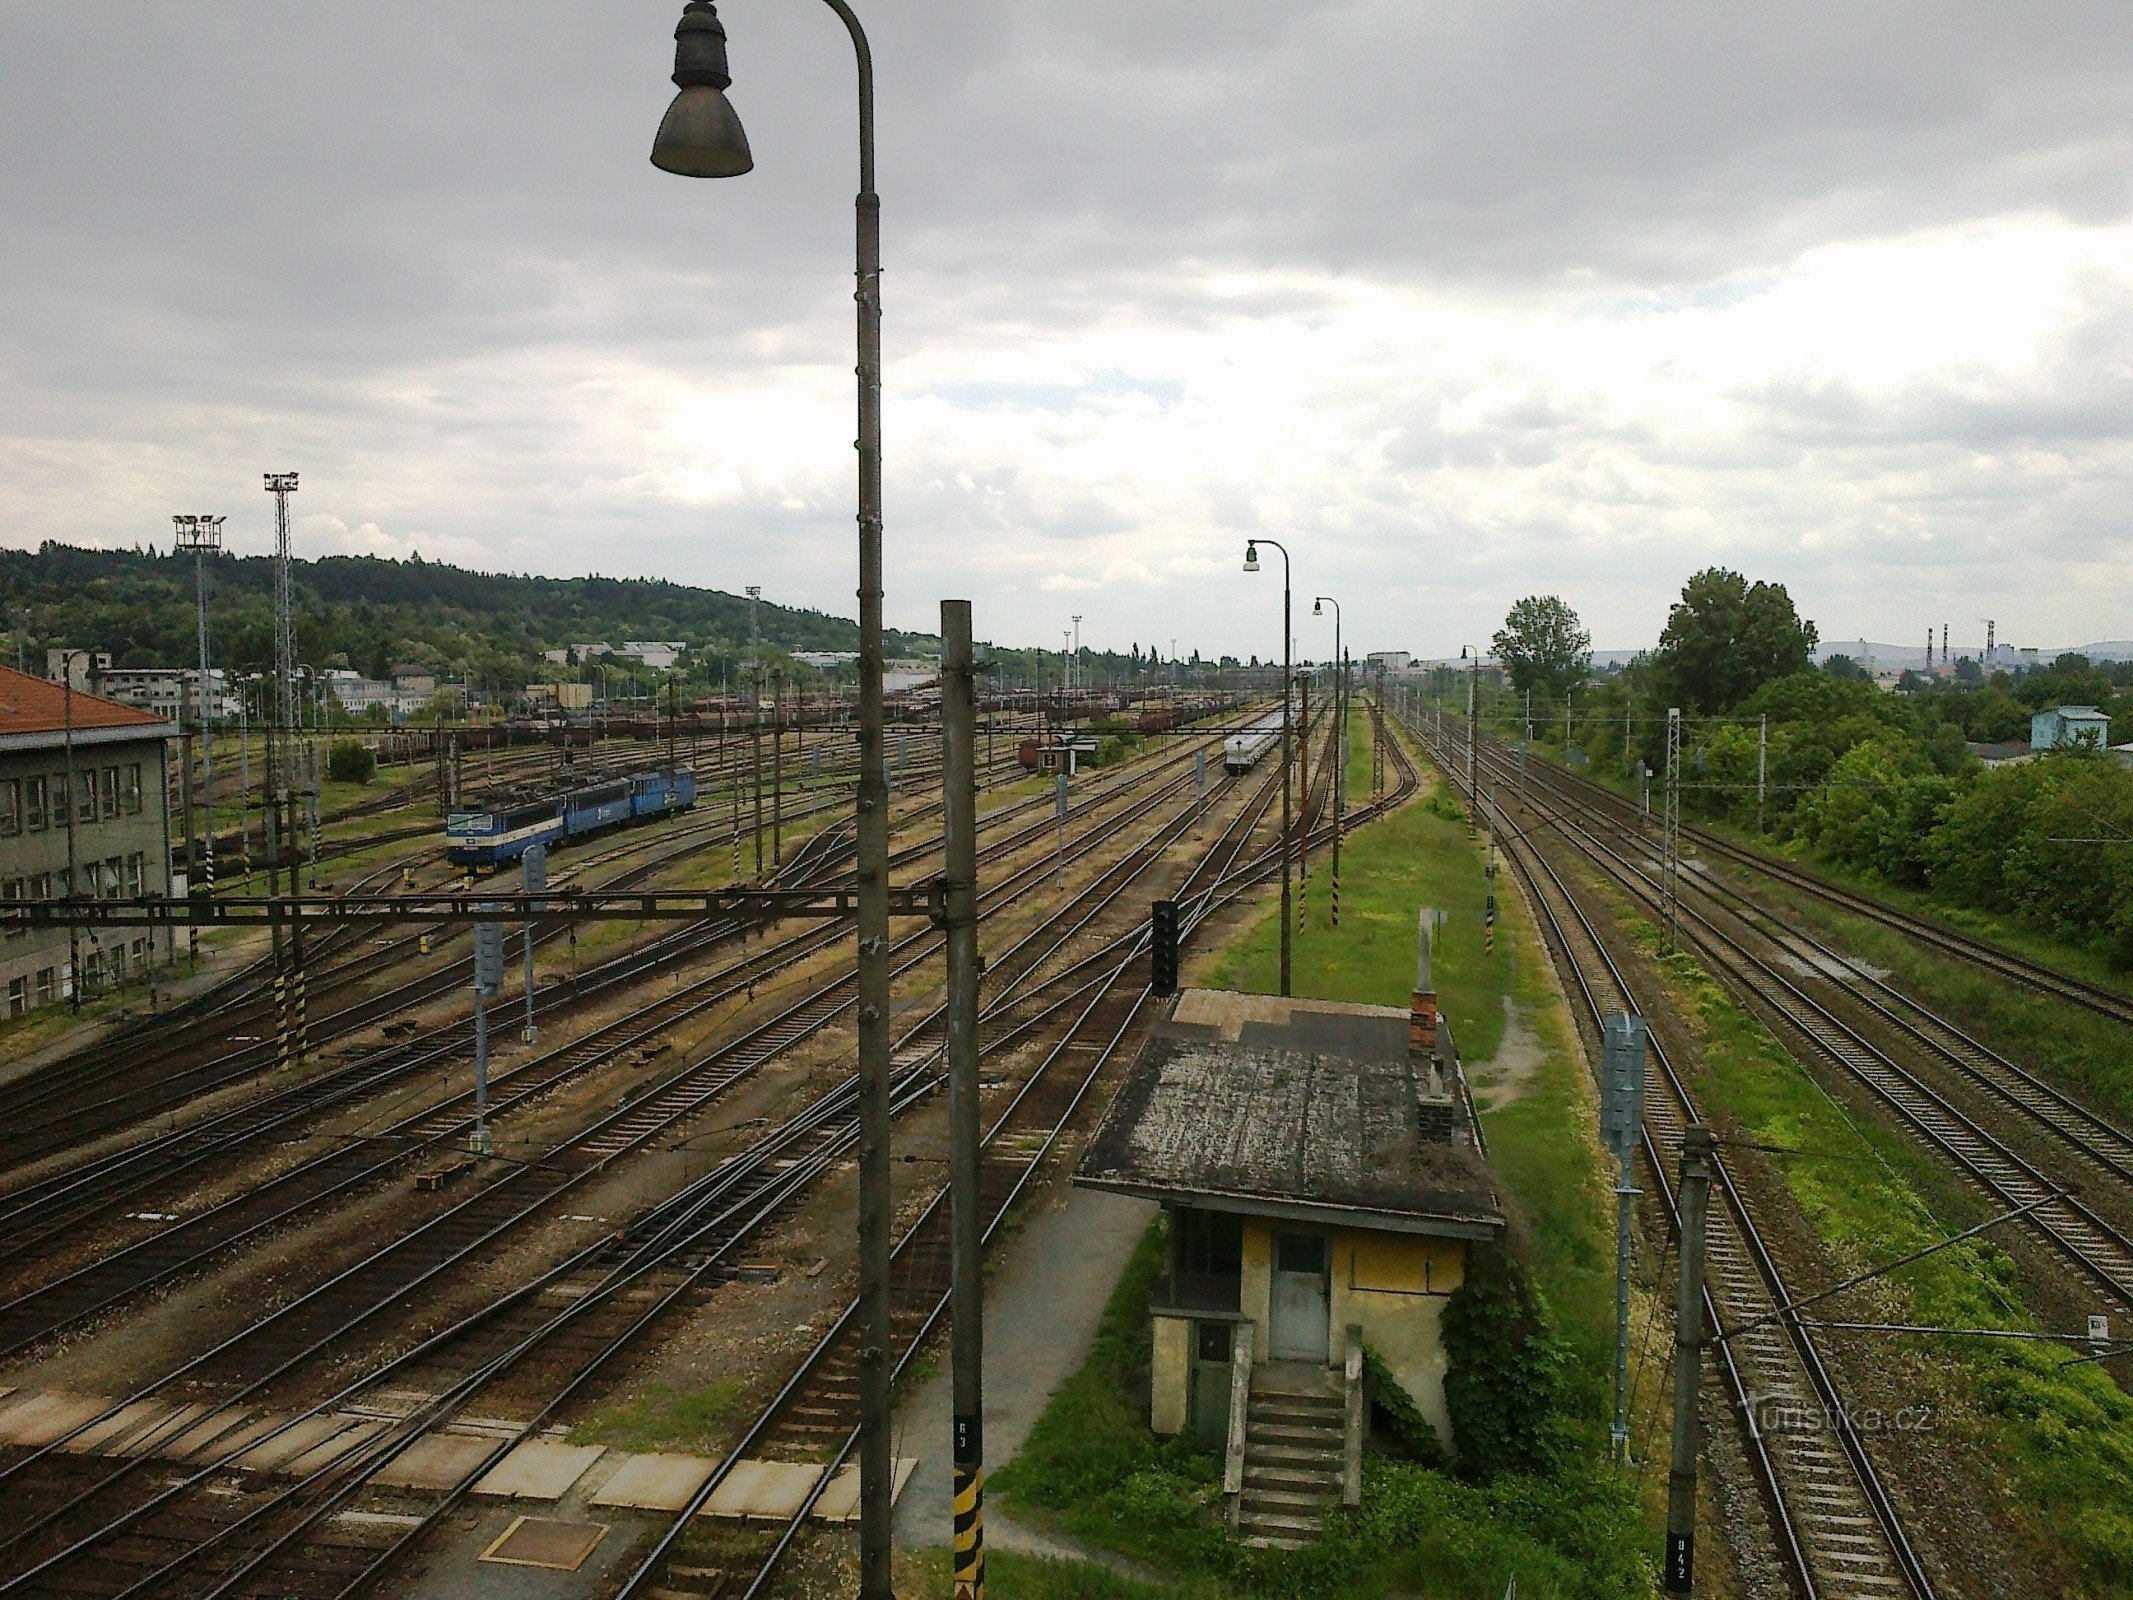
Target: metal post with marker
(534,864)
(488,981)
(1679,1573)
(1059,810)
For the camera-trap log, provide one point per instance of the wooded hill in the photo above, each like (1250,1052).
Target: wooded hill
(368,613)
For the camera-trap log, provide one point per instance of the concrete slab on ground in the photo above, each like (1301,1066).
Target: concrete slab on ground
(540,1469)
(326,1437)
(1042,1306)
(774,1490)
(655,1483)
(545,1542)
(434,1462)
(35,1420)
(132,1429)
(840,1501)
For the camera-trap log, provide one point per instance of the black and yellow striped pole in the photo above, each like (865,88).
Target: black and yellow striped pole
(281,1020)
(969,1559)
(959,885)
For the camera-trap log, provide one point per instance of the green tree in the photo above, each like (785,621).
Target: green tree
(1725,638)
(1544,645)
(1847,667)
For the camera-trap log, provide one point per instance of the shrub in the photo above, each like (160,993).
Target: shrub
(351,762)
(1505,1370)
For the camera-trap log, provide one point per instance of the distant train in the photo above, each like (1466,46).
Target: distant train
(1241,751)
(502,833)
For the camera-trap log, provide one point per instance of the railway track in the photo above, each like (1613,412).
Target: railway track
(40,1551)
(1912,1062)
(1834,1522)
(42,1221)
(815,1413)
(142,1075)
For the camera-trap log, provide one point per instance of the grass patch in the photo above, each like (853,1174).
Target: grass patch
(2060,1437)
(666,1418)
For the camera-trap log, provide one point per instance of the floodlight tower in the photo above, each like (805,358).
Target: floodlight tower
(281,485)
(202,537)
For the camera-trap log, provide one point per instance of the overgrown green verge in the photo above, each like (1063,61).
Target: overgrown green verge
(665,1418)
(2060,1437)
(1566,1525)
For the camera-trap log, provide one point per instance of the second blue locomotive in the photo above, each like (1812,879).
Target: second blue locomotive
(501,833)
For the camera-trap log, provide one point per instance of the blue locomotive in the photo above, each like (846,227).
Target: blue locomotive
(501,833)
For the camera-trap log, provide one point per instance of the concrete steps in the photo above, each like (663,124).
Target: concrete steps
(1292,1467)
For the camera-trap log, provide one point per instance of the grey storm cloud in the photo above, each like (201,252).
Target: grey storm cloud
(1138,251)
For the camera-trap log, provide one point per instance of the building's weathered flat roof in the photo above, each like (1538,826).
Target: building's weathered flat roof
(1304,1109)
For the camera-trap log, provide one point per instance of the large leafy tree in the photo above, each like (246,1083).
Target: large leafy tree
(1726,638)
(1543,645)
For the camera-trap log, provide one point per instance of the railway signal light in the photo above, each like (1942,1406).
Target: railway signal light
(488,957)
(1163,947)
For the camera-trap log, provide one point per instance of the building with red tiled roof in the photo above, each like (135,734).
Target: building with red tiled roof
(84,808)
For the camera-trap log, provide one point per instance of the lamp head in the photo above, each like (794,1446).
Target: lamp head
(701,135)
(1251,556)
(1318,608)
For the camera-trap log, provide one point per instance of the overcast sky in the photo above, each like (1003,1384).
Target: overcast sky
(1463,300)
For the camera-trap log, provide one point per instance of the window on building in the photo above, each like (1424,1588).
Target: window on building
(111,791)
(15,889)
(33,791)
(1210,1258)
(85,795)
(18,996)
(41,886)
(118,963)
(133,790)
(136,864)
(114,877)
(10,807)
(47,985)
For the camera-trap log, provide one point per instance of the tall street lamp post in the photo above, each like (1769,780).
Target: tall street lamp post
(1340,741)
(701,137)
(1288,822)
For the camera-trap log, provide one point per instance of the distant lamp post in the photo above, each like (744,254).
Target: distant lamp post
(1288,821)
(701,137)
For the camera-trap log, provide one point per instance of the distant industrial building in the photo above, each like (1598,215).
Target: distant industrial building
(2069,725)
(116,830)
(1391,660)
(172,693)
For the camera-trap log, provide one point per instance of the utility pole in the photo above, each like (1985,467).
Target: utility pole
(755,732)
(488,982)
(73,797)
(1670,839)
(1077,652)
(1694,1197)
(1622,1037)
(1762,767)
(1473,737)
(777,769)
(967,1224)
(1303,795)
(1527,739)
